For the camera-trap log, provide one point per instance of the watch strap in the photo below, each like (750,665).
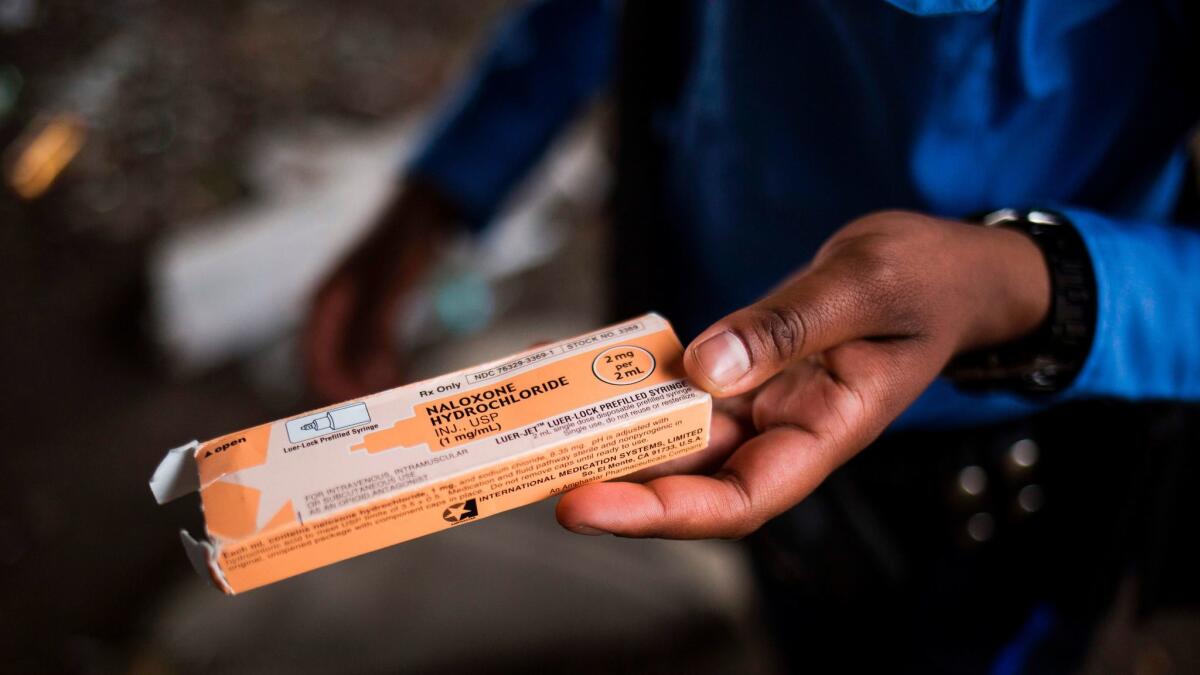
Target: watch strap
(1047,360)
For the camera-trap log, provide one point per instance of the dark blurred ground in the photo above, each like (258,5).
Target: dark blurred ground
(172,96)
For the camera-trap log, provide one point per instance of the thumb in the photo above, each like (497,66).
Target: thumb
(815,311)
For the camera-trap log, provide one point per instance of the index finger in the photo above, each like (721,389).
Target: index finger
(764,477)
(725,435)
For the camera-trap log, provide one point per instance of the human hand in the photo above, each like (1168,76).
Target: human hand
(348,335)
(812,373)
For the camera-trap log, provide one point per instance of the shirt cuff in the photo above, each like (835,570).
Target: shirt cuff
(1146,343)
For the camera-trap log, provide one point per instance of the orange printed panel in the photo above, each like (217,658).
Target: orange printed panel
(519,430)
(535,395)
(279,554)
(229,509)
(232,452)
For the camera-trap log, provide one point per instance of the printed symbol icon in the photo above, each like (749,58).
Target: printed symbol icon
(319,424)
(460,512)
(623,364)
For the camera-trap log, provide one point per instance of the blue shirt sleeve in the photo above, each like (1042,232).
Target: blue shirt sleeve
(1147,336)
(1146,344)
(548,59)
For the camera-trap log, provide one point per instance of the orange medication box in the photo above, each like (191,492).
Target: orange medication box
(300,493)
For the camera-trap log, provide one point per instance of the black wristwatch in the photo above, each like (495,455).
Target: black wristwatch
(1049,359)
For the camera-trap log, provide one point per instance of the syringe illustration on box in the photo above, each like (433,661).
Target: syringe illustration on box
(329,421)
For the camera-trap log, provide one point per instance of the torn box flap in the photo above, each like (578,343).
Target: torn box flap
(176,474)
(203,556)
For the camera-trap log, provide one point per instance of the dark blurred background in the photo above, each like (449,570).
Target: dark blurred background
(177,177)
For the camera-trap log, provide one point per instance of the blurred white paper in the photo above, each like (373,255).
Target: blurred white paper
(241,280)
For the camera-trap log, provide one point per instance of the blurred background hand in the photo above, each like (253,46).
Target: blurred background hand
(349,345)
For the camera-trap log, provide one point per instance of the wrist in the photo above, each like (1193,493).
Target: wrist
(1012,294)
(420,208)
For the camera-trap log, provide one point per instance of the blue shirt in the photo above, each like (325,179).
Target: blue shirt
(797,117)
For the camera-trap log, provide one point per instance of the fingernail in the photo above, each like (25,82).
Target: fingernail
(723,358)
(588,530)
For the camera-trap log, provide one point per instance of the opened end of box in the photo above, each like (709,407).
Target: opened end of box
(176,474)
(203,556)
